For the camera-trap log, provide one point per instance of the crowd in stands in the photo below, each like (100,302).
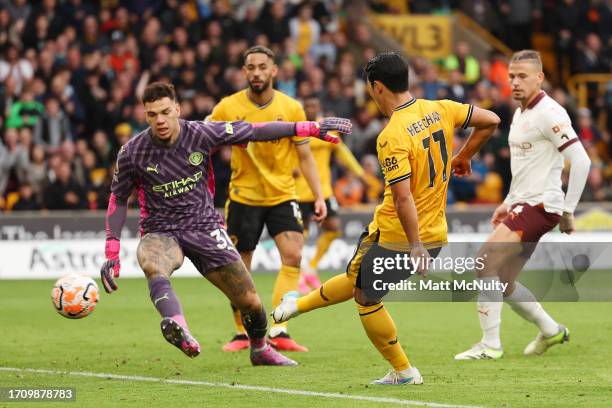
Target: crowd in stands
(72,72)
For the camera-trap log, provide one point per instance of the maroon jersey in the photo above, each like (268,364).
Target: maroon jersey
(172,182)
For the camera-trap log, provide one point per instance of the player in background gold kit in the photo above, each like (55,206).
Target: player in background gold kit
(331,226)
(262,188)
(414,151)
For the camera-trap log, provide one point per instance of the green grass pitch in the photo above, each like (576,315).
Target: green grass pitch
(122,337)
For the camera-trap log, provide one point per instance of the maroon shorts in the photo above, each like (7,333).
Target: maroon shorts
(205,249)
(530,222)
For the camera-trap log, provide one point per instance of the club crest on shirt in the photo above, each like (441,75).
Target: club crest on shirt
(196,158)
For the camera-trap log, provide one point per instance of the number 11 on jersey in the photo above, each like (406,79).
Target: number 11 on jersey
(438,137)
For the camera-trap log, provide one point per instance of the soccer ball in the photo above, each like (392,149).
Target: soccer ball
(75,296)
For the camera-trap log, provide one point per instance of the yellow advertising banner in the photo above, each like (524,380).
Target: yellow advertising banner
(427,36)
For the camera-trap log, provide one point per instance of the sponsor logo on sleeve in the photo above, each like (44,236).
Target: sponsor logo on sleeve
(560,127)
(390,164)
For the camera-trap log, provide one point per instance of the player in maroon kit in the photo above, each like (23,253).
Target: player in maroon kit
(168,165)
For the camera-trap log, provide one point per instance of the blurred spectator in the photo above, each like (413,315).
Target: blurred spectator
(65,193)
(286,81)
(456,89)
(26,138)
(335,103)
(25,112)
(371,178)
(48,9)
(490,191)
(431,84)
(484,13)
(27,199)
(89,63)
(37,169)
(120,56)
(305,31)
(349,190)
(221,14)
(53,128)
(102,148)
(19,10)
(13,162)
(67,98)
(502,108)
(18,69)
(605,22)
(563,99)
(463,62)
(361,39)
(567,16)
(202,106)
(92,39)
(365,128)
(464,188)
(480,95)
(592,58)
(123,133)
(273,21)
(518,17)
(94,101)
(324,52)
(498,74)
(589,135)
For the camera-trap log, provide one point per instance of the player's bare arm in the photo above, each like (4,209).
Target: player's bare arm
(309,170)
(407,214)
(484,123)
(158,255)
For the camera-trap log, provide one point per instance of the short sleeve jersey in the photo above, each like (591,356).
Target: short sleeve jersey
(417,145)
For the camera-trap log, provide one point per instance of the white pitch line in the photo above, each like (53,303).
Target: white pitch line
(237,386)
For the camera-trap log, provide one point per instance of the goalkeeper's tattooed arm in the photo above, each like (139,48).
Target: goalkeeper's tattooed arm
(115,219)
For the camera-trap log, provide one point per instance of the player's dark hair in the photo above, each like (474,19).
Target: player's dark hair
(259,49)
(158,90)
(389,68)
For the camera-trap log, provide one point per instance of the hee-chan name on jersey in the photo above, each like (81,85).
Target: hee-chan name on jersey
(440,286)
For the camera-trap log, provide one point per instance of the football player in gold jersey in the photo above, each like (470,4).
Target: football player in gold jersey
(262,188)
(414,151)
(330,227)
